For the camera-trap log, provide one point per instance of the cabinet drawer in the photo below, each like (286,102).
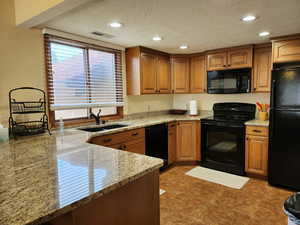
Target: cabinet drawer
(171,125)
(112,139)
(257,130)
(135,146)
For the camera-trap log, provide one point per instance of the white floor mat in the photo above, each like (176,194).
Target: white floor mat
(161,191)
(226,179)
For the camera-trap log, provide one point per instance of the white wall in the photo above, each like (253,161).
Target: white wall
(206,101)
(138,104)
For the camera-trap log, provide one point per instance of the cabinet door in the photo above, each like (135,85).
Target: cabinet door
(198,75)
(187,147)
(135,146)
(171,142)
(163,74)
(286,51)
(239,58)
(180,73)
(262,70)
(217,61)
(256,155)
(148,73)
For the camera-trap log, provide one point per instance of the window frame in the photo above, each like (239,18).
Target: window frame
(86,46)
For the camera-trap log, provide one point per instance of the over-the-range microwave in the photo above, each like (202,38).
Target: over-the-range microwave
(229,81)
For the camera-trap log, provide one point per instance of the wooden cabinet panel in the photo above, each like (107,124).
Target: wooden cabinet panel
(180,74)
(171,142)
(163,74)
(262,70)
(286,51)
(217,61)
(188,148)
(148,73)
(257,131)
(198,75)
(257,155)
(239,58)
(135,146)
(112,139)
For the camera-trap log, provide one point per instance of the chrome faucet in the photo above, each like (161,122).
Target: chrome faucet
(96,117)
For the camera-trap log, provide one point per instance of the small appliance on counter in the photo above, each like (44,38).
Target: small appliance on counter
(28,126)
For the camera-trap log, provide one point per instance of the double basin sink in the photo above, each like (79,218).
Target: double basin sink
(103,128)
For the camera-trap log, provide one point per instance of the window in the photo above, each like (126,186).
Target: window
(82,79)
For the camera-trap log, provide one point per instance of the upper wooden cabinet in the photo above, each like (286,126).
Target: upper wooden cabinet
(188,141)
(147,71)
(239,58)
(198,75)
(286,50)
(163,74)
(217,61)
(181,74)
(233,58)
(262,69)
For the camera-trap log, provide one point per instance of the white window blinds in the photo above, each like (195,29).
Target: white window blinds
(82,75)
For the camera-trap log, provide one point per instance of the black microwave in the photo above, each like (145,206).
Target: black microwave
(229,81)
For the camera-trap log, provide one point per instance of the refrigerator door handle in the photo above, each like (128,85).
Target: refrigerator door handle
(273,93)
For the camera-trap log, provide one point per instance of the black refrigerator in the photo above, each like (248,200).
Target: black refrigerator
(284,141)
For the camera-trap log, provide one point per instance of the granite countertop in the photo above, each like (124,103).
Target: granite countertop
(46,176)
(261,123)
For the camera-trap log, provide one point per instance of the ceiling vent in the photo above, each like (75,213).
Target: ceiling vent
(104,35)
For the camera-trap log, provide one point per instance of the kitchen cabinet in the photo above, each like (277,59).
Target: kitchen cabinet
(180,74)
(256,157)
(232,58)
(198,74)
(172,142)
(163,74)
(262,69)
(188,141)
(217,61)
(147,71)
(239,58)
(286,49)
(132,140)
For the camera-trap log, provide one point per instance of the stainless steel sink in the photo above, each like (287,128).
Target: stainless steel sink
(103,128)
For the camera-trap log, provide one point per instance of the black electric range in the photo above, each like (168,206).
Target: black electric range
(223,137)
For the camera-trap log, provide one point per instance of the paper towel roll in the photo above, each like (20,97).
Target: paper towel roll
(193,107)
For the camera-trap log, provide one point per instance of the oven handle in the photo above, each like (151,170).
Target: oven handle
(220,124)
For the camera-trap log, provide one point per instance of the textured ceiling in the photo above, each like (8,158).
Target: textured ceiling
(201,24)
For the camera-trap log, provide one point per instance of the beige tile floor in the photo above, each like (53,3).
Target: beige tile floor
(191,201)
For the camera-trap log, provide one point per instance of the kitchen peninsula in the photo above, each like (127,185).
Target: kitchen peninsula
(61,179)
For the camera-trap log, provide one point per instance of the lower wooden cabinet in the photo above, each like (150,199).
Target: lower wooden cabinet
(172,142)
(256,158)
(188,141)
(131,141)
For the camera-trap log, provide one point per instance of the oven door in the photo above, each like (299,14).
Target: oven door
(228,81)
(223,146)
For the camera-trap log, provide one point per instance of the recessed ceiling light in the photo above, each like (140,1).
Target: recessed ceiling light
(183,46)
(264,33)
(249,18)
(157,38)
(115,25)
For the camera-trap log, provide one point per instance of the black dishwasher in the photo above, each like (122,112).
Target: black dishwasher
(157,142)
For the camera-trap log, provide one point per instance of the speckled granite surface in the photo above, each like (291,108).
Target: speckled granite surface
(44,176)
(258,123)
